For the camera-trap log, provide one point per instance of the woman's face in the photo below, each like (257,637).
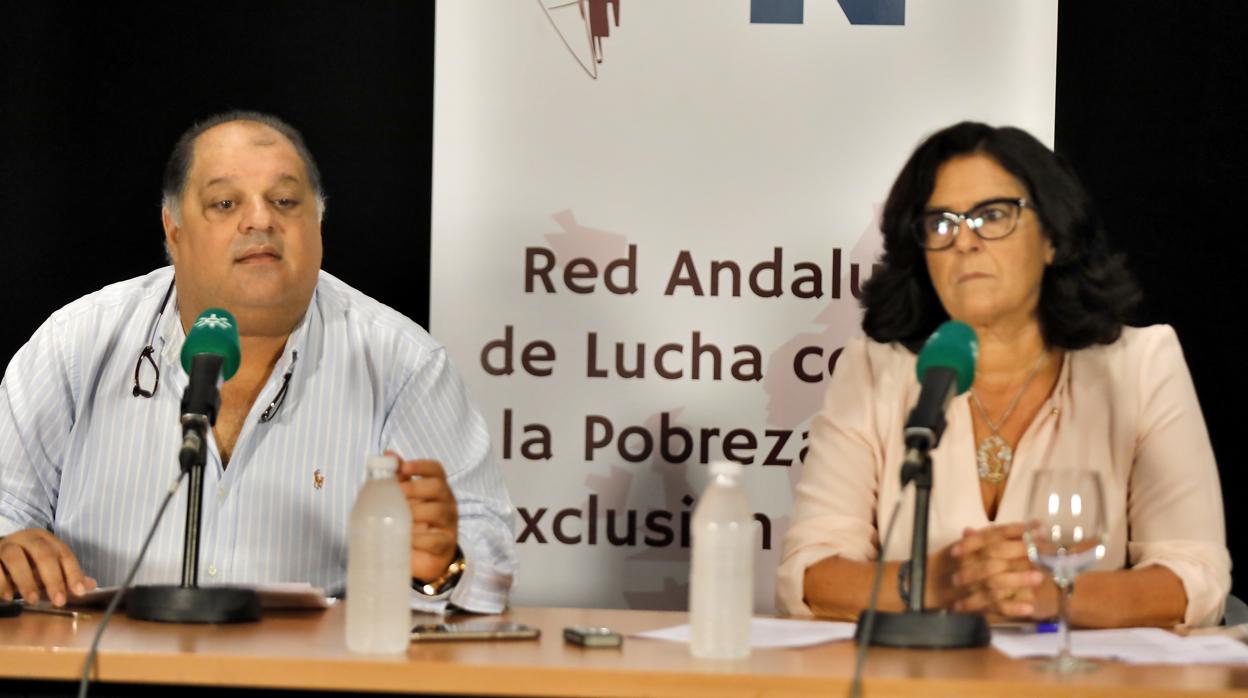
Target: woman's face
(987,283)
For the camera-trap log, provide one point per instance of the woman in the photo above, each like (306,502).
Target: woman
(987,226)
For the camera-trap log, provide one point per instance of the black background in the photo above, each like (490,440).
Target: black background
(1151,112)
(1150,109)
(93,96)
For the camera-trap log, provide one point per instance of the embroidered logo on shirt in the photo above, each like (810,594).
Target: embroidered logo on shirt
(318,479)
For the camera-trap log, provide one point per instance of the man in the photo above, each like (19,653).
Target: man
(89,437)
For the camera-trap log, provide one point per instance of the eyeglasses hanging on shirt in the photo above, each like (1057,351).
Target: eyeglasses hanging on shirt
(276,404)
(147,355)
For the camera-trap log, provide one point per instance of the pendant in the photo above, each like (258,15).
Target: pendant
(994,457)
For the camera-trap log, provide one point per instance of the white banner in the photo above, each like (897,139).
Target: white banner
(651,219)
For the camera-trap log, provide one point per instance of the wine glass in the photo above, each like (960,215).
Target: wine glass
(1065,535)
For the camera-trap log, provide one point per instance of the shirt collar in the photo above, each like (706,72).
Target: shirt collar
(171,336)
(1063,378)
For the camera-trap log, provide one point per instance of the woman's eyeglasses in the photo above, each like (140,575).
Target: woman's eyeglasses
(990,220)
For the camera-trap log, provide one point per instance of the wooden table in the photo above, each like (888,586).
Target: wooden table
(306,650)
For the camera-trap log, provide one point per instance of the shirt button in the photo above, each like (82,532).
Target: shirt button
(220,493)
(212,570)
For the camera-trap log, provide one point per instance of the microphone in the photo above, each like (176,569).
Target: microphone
(210,356)
(946,367)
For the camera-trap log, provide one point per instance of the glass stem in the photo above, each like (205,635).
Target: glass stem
(1064,657)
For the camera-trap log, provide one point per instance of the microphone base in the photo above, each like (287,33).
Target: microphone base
(167,603)
(927,629)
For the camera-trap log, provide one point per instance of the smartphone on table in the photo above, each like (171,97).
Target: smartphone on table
(592,636)
(474,630)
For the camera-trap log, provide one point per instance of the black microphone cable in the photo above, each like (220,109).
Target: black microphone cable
(868,619)
(84,684)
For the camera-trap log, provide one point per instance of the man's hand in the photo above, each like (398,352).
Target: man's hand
(435,518)
(996,576)
(37,565)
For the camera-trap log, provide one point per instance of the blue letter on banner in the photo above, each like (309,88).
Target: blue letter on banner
(776,11)
(877,12)
(880,12)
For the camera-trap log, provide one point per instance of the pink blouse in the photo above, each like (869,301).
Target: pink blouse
(1127,410)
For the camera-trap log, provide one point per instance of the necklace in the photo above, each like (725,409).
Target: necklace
(994,455)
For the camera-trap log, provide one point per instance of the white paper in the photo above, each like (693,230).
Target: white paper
(1131,645)
(767,633)
(282,595)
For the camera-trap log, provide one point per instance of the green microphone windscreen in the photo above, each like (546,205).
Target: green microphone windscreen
(215,332)
(953,345)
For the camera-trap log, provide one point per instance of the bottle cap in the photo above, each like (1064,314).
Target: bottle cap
(726,467)
(387,464)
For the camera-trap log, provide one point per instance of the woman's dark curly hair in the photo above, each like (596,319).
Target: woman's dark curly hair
(1086,294)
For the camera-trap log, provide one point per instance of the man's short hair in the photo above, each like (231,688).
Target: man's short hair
(178,167)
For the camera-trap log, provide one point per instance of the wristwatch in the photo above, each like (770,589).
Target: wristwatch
(441,587)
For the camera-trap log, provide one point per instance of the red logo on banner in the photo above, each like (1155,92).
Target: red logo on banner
(590,29)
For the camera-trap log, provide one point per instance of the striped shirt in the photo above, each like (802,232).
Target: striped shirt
(84,458)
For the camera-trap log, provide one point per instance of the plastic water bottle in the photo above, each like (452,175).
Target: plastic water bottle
(379,574)
(721,589)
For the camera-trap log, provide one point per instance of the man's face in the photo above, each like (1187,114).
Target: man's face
(249,239)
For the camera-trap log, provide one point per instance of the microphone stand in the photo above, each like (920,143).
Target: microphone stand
(917,627)
(189,602)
